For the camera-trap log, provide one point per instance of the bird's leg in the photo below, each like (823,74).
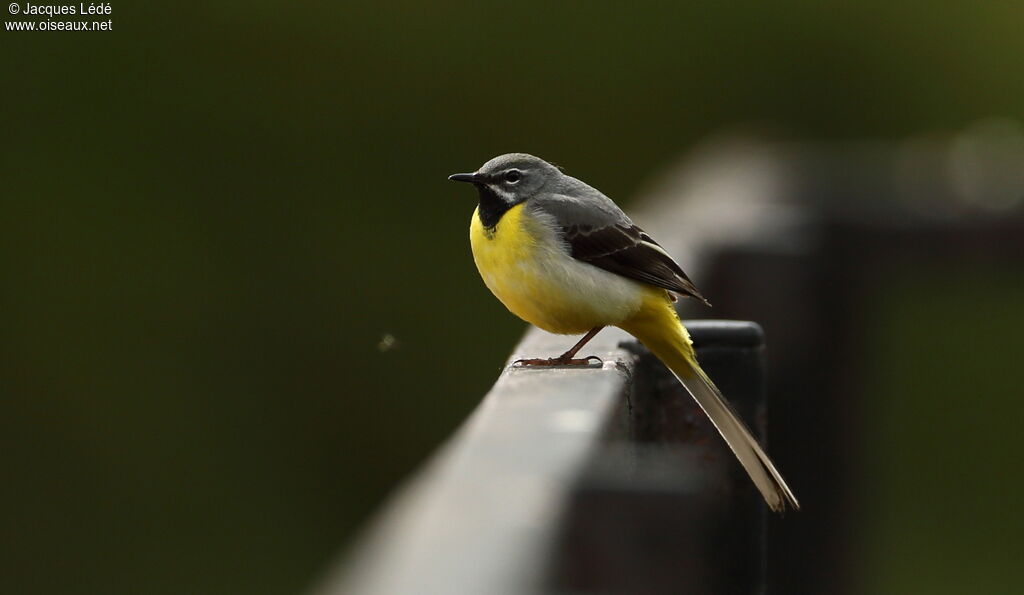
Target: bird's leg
(566,359)
(568,355)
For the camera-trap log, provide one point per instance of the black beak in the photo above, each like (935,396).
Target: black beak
(473,178)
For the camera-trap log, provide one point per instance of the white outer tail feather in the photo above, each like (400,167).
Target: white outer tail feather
(743,444)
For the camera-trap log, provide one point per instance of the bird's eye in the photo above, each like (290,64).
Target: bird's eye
(512,177)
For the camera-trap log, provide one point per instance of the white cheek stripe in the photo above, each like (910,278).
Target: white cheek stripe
(504,195)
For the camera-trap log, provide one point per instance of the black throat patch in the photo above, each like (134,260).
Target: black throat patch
(491,207)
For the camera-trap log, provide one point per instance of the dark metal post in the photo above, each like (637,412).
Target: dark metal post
(664,507)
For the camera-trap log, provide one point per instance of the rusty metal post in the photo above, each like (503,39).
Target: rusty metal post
(664,507)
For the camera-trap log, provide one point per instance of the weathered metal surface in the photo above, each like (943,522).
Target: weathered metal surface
(607,479)
(663,507)
(481,516)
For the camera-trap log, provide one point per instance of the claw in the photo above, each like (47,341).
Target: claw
(591,361)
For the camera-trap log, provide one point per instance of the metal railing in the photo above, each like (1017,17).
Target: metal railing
(610,480)
(581,480)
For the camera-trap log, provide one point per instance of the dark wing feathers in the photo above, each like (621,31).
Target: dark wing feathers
(599,233)
(624,249)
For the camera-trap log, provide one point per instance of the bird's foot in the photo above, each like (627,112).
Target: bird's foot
(591,361)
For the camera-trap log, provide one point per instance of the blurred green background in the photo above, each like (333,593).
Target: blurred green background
(213,214)
(943,490)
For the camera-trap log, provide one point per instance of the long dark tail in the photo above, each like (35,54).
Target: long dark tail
(667,338)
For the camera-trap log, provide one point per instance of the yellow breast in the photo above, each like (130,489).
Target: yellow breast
(525,265)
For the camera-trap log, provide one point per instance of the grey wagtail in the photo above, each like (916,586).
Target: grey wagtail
(562,256)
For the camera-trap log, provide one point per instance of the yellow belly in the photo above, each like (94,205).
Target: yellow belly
(523,263)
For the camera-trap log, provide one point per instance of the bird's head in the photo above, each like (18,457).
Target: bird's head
(510,179)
